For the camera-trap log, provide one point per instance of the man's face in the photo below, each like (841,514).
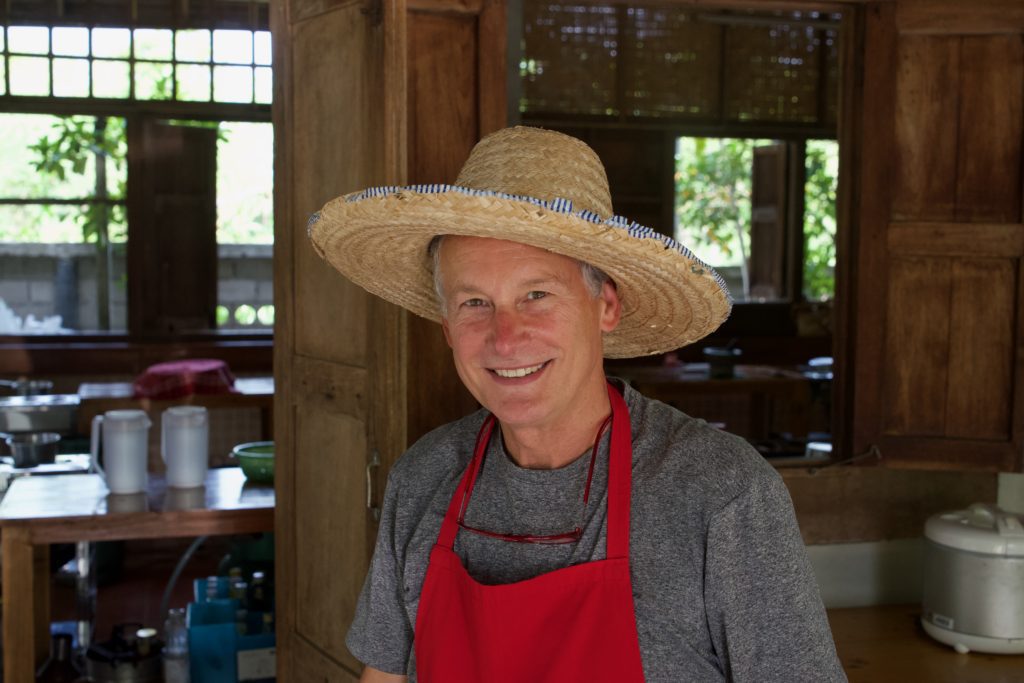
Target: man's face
(524,329)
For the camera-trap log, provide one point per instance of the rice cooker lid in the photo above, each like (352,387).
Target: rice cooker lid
(981,528)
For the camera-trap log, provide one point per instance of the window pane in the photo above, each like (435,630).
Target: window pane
(3,76)
(45,224)
(153,44)
(110,79)
(111,42)
(192,46)
(30,76)
(245,183)
(193,82)
(263,47)
(71,77)
(264,85)
(232,83)
(53,156)
(73,42)
(713,189)
(822,166)
(233,47)
(33,40)
(153,81)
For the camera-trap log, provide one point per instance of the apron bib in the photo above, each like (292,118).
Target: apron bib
(573,624)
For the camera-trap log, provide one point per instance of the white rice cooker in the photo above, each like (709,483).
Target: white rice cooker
(974,580)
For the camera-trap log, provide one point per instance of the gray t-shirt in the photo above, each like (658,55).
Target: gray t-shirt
(721,583)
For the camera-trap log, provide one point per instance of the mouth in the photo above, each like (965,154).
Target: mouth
(519,373)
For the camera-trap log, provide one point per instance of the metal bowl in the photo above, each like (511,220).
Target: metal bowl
(33,448)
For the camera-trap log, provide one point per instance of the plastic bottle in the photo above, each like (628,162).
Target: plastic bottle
(59,668)
(176,647)
(258,593)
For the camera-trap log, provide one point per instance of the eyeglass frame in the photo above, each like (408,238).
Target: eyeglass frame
(547,539)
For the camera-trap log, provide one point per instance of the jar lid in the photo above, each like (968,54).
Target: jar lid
(125,419)
(981,528)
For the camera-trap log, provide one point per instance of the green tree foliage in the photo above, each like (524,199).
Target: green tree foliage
(820,219)
(74,142)
(713,188)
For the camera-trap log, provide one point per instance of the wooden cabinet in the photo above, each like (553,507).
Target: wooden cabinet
(934,354)
(367,93)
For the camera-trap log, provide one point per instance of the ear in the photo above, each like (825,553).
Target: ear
(447,333)
(611,307)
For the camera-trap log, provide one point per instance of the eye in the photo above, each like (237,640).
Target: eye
(536,294)
(473,303)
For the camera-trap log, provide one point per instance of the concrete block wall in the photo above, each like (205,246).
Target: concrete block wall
(29,275)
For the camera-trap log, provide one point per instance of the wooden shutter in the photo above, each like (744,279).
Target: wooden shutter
(172,245)
(937,365)
(768,223)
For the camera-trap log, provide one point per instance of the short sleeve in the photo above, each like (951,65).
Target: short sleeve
(764,611)
(381,635)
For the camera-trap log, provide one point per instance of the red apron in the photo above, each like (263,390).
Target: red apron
(572,624)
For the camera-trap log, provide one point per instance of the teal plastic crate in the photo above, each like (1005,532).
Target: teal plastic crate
(218,653)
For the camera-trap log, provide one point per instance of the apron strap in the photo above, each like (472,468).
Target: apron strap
(620,463)
(460,499)
(620,475)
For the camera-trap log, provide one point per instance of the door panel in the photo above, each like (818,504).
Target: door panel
(339,154)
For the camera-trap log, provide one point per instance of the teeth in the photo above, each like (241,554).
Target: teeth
(520,372)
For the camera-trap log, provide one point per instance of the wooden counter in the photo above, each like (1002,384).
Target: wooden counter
(67,508)
(887,645)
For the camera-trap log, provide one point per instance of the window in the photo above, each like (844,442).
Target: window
(179,241)
(715,126)
(196,65)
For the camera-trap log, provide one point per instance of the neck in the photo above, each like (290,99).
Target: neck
(557,444)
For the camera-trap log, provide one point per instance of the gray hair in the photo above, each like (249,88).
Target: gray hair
(593,277)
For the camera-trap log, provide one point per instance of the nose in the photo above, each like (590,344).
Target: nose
(507,332)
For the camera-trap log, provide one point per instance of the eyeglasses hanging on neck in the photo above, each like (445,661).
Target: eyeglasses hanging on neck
(549,539)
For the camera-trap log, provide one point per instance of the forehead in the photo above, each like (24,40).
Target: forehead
(462,254)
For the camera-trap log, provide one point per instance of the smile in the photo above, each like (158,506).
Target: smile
(518,372)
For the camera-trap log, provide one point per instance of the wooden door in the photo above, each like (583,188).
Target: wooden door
(335,131)
(938,368)
(367,93)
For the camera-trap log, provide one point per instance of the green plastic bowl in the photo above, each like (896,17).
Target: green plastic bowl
(257,460)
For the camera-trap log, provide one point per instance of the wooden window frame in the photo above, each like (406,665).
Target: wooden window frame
(124,352)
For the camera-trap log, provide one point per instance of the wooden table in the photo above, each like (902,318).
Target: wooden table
(38,511)
(887,645)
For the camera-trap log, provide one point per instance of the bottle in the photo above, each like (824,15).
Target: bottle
(176,647)
(242,622)
(258,593)
(212,588)
(268,623)
(59,667)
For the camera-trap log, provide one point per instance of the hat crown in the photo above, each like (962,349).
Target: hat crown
(539,163)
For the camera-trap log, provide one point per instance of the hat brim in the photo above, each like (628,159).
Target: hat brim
(669,297)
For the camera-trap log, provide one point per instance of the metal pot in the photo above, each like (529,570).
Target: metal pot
(28,387)
(33,448)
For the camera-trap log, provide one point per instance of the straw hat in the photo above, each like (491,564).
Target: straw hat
(540,188)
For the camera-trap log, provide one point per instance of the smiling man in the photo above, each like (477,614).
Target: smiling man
(571,530)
